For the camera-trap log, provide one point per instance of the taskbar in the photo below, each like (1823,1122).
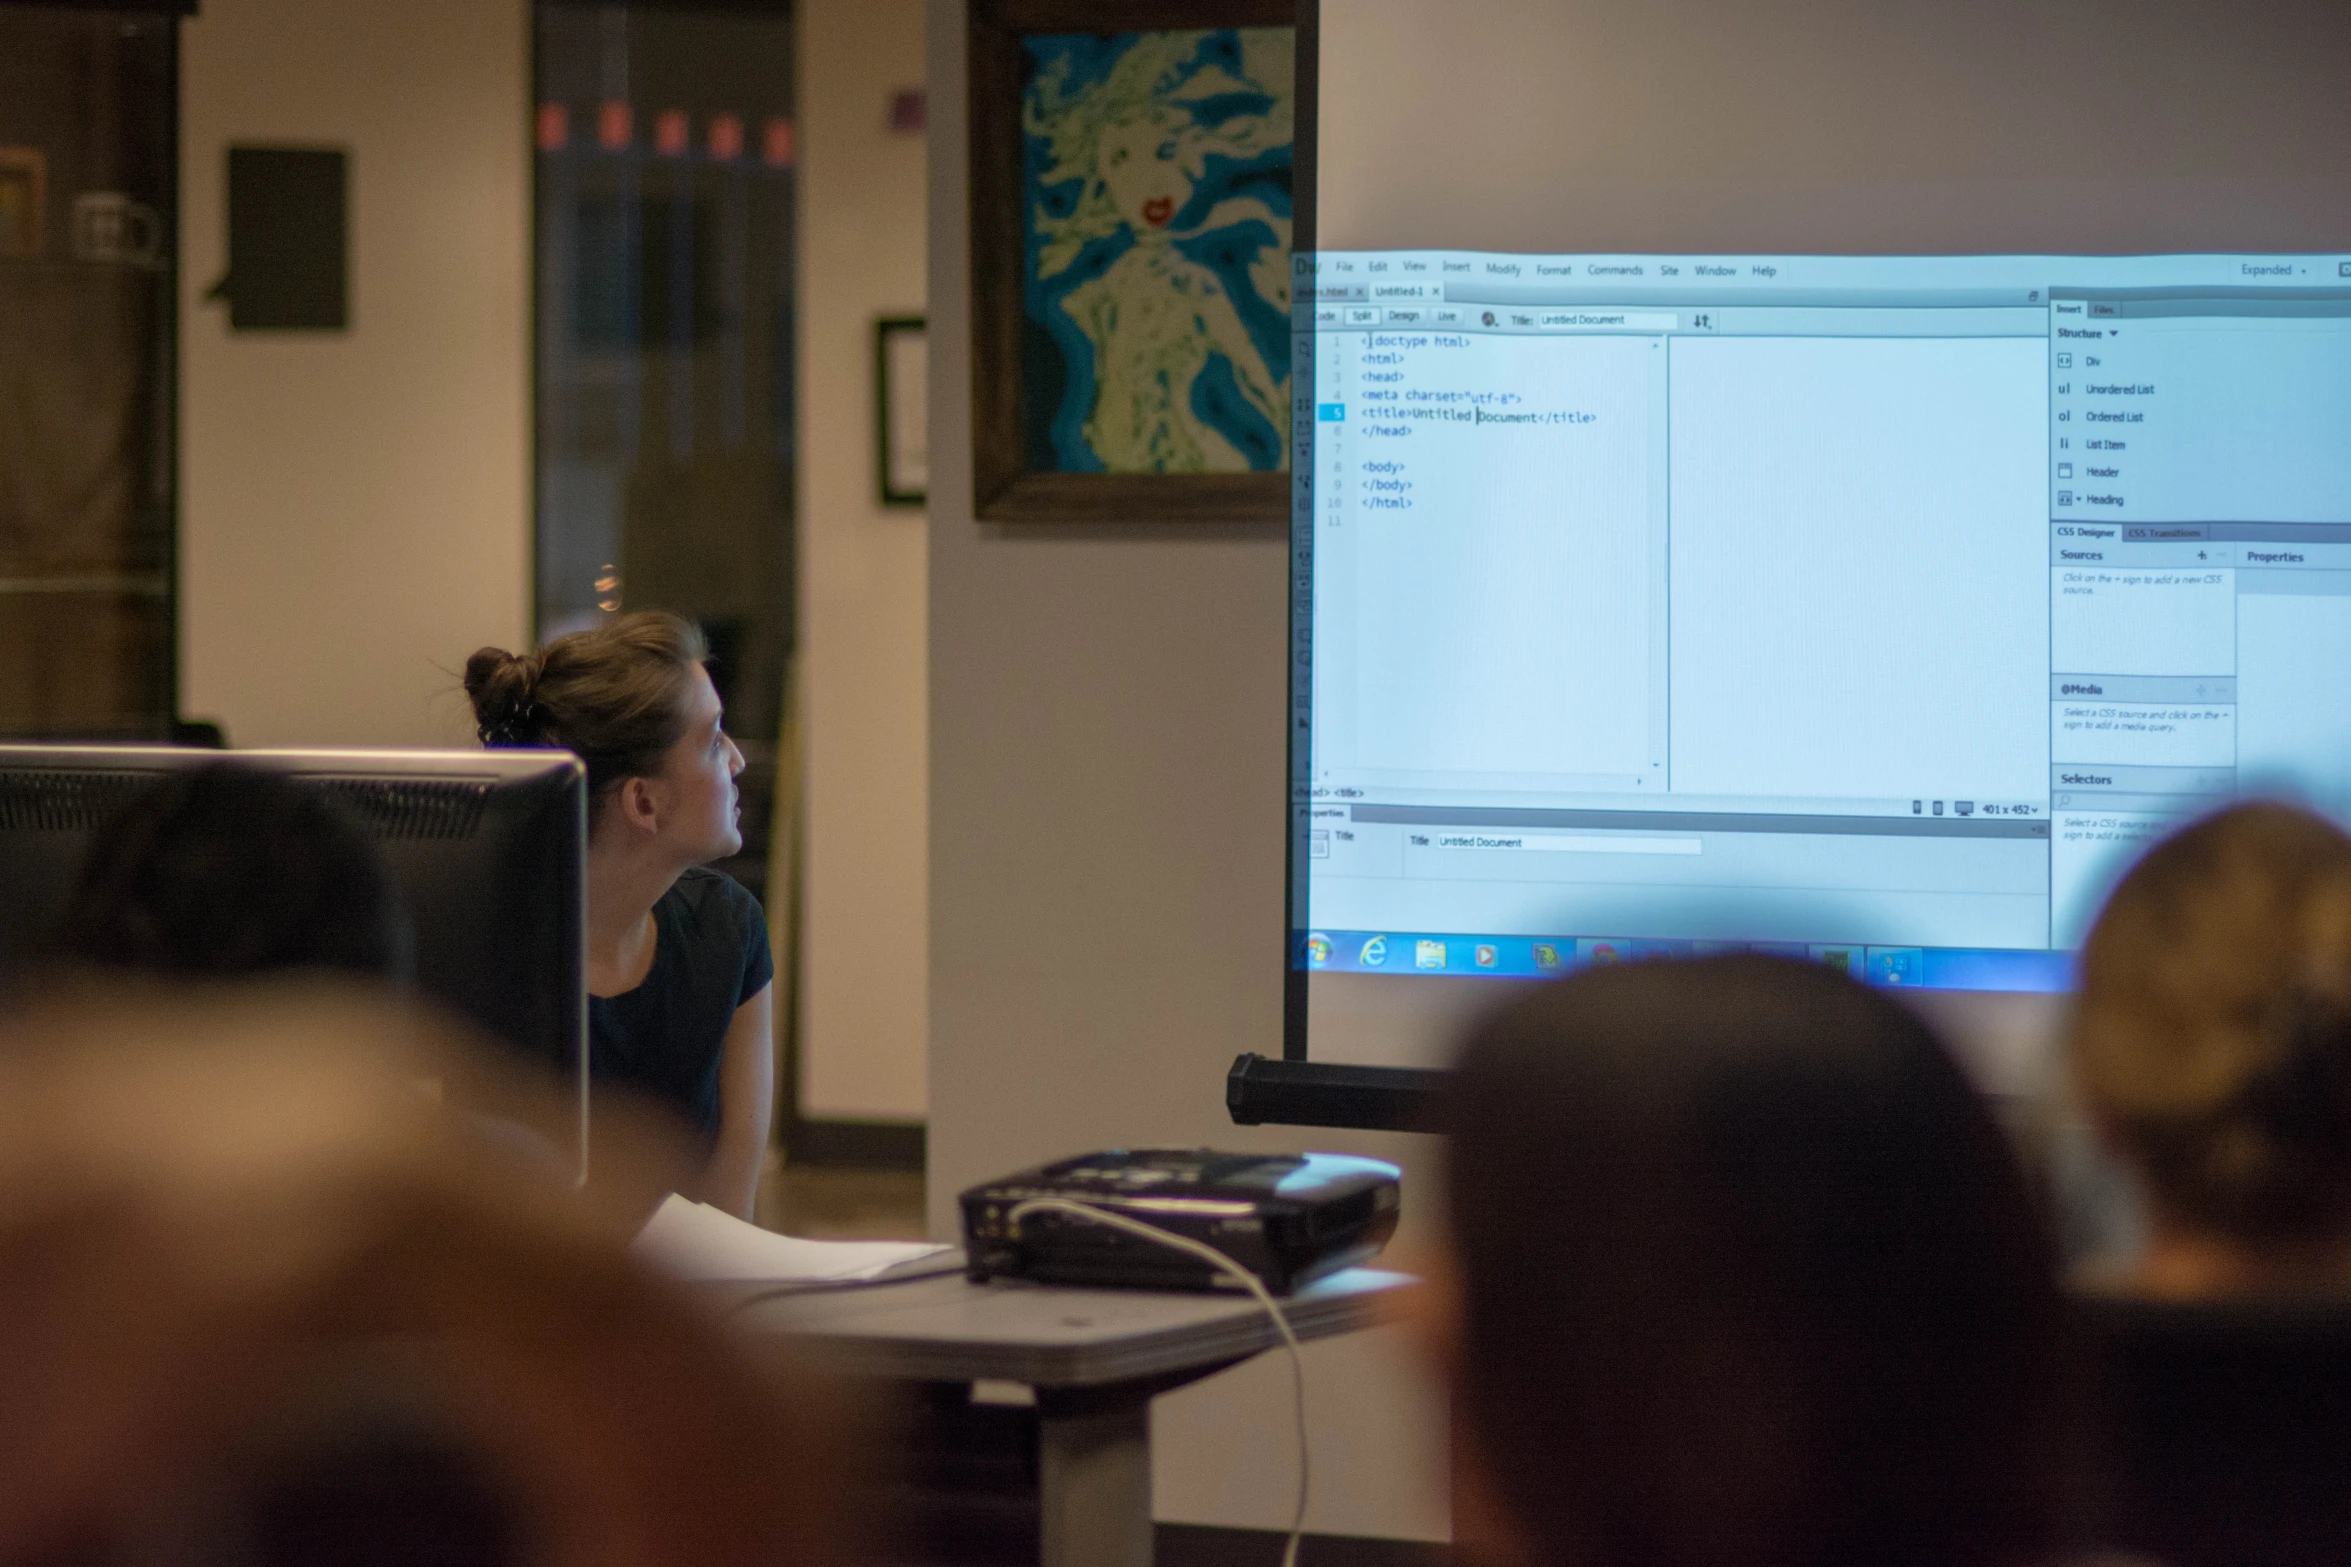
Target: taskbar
(1547,957)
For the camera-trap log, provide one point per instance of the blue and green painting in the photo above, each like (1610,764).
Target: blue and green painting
(1156,187)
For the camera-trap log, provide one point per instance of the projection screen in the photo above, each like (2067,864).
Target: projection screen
(1824,477)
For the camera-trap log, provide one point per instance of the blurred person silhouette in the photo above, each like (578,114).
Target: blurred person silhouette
(1739,1272)
(681,1004)
(227,872)
(2211,1048)
(263,1305)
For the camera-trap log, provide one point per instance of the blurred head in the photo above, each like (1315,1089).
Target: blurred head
(2212,1042)
(634,701)
(268,1303)
(231,872)
(1742,1272)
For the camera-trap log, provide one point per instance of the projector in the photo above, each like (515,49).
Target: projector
(1287,1218)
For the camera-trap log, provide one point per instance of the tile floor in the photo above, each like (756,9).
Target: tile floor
(841,1204)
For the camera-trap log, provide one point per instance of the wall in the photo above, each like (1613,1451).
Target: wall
(1835,126)
(1106,918)
(1107,704)
(355,513)
(864,1001)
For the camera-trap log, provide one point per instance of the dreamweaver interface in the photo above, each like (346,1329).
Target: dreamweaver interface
(1872,608)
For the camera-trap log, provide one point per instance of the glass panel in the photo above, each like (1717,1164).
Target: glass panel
(88,183)
(665,242)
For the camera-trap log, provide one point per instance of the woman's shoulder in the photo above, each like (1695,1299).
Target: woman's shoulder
(723,930)
(714,902)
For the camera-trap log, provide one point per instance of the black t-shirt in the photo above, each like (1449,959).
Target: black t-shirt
(664,1038)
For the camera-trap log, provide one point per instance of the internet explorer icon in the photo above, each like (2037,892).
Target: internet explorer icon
(1374,953)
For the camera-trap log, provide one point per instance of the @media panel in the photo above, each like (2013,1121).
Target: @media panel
(1872,609)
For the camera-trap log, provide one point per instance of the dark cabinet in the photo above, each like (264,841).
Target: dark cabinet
(88,288)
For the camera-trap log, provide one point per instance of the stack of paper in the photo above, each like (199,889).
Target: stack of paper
(692,1240)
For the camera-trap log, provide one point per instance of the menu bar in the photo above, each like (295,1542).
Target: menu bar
(1468,276)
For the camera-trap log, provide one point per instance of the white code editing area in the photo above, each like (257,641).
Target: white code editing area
(1809,599)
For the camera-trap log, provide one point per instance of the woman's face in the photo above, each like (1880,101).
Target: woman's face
(1140,166)
(701,809)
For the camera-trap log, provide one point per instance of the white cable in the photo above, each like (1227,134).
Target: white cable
(1223,1264)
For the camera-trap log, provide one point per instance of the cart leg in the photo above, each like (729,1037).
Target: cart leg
(1094,1483)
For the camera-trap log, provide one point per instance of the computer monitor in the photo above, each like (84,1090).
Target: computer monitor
(486,847)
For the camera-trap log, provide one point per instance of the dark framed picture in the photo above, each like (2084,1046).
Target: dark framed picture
(1130,259)
(24,201)
(901,376)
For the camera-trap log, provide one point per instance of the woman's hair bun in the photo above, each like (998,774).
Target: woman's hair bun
(504,689)
(617,694)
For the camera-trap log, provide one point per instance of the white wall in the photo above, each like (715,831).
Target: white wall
(864,996)
(355,513)
(1836,126)
(1106,915)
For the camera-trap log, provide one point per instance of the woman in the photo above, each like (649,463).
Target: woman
(2212,1050)
(680,999)
(1741,1274)
(2212,1047)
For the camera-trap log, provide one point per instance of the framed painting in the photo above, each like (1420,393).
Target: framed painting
(1130,259)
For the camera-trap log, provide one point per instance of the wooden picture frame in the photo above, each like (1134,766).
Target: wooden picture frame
(1004,488)
(901,404)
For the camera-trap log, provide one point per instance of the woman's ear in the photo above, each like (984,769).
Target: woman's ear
(638,805)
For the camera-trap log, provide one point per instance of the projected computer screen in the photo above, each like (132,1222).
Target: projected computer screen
(1876,609)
